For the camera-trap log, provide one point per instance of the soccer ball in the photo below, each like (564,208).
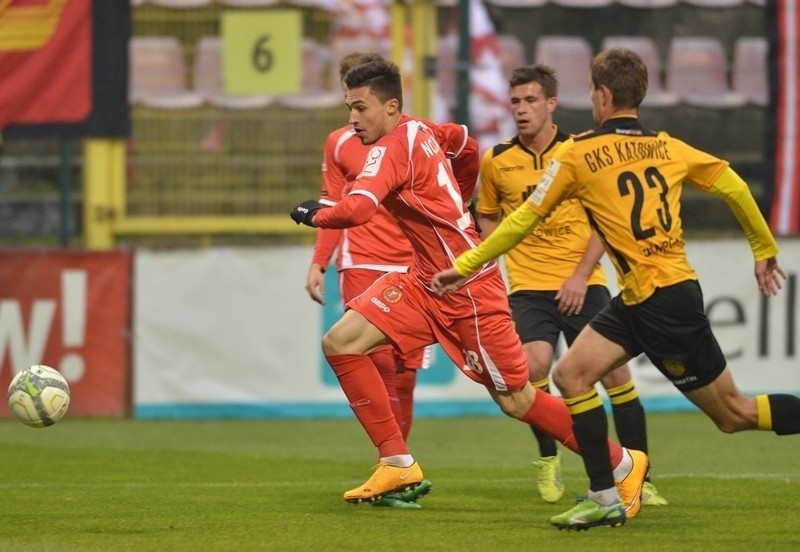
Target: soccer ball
(38,396)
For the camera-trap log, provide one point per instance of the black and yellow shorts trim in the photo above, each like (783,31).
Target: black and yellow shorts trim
(671,328)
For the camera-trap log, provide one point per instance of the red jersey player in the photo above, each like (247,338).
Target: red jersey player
(366,252)
(407,171)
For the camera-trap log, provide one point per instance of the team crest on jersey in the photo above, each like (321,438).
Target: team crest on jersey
(392,294)
(374,160)
(675,368)
(544,184)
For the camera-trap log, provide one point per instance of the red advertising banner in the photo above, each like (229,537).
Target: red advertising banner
(45,61)
(70,311)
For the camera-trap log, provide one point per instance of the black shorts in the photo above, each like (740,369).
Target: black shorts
(672,329)
(536,315)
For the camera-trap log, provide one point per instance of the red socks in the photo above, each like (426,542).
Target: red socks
(384,361)
(366,392)
(405,383)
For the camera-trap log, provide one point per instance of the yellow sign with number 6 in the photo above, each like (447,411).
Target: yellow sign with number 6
(262,52)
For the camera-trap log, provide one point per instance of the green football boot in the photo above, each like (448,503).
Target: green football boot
(406,499)
(548,482)
(588,513)
(651,497)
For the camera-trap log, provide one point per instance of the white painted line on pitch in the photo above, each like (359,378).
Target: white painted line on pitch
(307,483)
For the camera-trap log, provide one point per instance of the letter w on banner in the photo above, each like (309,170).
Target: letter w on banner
(71,311)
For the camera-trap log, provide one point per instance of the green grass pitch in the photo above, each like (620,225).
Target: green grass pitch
(109,485)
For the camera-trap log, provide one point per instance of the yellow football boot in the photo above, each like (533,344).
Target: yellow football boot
(386,479)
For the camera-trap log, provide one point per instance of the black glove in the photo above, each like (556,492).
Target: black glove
(304,213)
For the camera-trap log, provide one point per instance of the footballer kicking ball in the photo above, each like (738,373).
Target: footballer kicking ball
(38,396)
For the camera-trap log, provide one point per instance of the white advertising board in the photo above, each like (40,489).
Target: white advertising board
(231,333)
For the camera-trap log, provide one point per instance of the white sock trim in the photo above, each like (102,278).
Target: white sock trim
(624,467)
(398,460)
(605,497)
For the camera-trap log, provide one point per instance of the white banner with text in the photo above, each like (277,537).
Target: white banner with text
(231,333)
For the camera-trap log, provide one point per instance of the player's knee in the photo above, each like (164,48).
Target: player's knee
(558,378)
(617,377)
(512,410)
(567,382)
(516,403)
(331,344)
(572,380)
(340,342)
(537,372)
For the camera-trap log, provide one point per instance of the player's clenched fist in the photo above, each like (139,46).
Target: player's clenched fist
(446,281)
(304,213)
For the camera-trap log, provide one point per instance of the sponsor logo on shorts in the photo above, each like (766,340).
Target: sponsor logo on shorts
(380,304)
(685,380)
(674,368)
(392,294)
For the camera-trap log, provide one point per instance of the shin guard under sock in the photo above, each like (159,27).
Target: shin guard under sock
(779,413)
(550,414)
(591,431)
(547,445)
(630,424)
(629,419)
(364,389)
(384,361)
(405,383)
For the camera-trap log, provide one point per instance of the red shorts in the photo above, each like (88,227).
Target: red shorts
(352,283)
(415,360)
(473,325)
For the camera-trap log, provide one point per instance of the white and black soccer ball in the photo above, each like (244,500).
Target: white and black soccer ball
(38,396)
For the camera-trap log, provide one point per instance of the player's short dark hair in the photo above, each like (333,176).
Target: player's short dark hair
(356,58)
(624,73)
(381,76)
(542,74)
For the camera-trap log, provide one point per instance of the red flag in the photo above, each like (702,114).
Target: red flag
(785,212)
(488,111)
(45,61)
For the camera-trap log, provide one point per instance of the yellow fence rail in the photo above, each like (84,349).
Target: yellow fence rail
(207,170)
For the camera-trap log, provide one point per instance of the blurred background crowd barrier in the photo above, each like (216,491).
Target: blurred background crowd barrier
(133,141)
(205,166)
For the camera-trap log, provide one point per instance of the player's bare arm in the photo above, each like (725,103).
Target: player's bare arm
(572,293)
(447,281)
(770,276)
(315,283)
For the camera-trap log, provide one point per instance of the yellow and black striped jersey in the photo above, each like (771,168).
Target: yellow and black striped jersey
(629,179)
(549,255)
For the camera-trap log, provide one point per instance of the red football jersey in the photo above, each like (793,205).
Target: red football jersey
(380,244)
(408,173)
